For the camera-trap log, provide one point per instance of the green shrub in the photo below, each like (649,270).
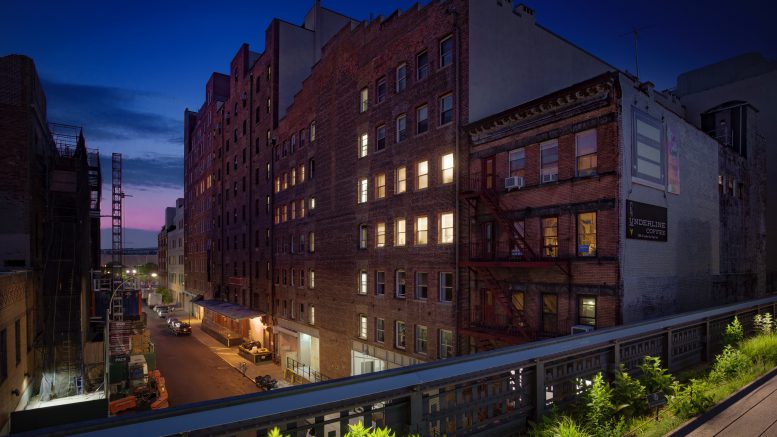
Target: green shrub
(167,295)
(764,323)
(690,400)
(729,364)
(599,401)
(275,432)
(734,333)
(559,426)
(654,377)
(628,394)
(761,348)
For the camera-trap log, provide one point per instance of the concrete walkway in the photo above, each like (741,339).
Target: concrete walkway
(751,411)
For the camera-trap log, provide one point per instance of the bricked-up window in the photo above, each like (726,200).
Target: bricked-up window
(362,236)
(446,343)
(362,326)
(3,355)
(362,282)
(312,314)
(446,51)
(380,90)
(312,279)
(401,78)
(312,241)
(421,285)
(364,144)
(446,109)
(550,236)
(447,168)
(422,175)
(422,65)
(401,131)
(380,330)
(446,286)
(421,230)
(586,152)
(400,238)
(517,162)
(422,119)
(380,138)
(446,228)
(400,334)
(380,283)
(362,190)
(648,152)
(586,234)
(380,234)
(586,310)
(312,131)
(364,99)
(549,161)
(400,180)
(380,185)
(400,289)
(421,339)
(549,312)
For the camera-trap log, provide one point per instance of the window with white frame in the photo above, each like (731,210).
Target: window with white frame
(312,279)
(401,129)
(447,168)
(380,90)
(400,288)
(422,119)
(421,285)
(400,334)
(364,144)
(446,343)
(400,236)
(446,51)
(380,330)
(549,161)
(648,160)
(421,339)
(362,326)
(517,162)
(380,185)
(422,175)
(362,198)
(400,180)
(401,77)
(380,283)
(380,234)
(312,131)
(380,138)
(421,230)
(362,236)
(446,228)
(446,109)
(422,66)
(585,151)
(364,99)
(312,314)
(363,282)
(446,286)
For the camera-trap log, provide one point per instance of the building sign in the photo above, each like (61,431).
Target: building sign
(234,280)
(645,222)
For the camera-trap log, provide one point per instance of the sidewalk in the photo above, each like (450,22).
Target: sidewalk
(231,356)
(748,412)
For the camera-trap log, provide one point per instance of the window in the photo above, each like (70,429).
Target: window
(380,283)
(301,204)
(293,176)
(302,278)
(365,99)
(401,132)
(549,312)
(586,310)
(446,343)
(401,77)
(312,241)
(362,326)
(549,161)
(447,168)
(380,234)
(312,203)
(380,330)
(422,66)
(399,233)
(362,236)
(380,185)
(422,119)
(312,131)
(380,90)
(421,230)
(362,197)
(301,173)
(422,175)
(421,339)
(446,287)
(517,162)
(363,282)
(399,289)
(364,142)
(400,180)
(446,51)
(380,138)
(421,285)
(18,340)
(312,279)
(400,334)
(446,109)
(312,315)
(586,152)
(301,138)
(586,234)
(518,301)
(648,157)
(446,228)
(550,236)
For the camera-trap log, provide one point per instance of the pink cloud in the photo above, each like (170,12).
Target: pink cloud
(144,210)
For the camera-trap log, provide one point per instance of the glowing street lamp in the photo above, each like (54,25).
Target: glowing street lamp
(154,275)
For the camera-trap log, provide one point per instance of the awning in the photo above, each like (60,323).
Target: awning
(226,309)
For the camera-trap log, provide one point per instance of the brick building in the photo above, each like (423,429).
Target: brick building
(337,170)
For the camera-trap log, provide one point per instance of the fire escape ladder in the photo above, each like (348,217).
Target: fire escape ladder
(505,299)
(491,201)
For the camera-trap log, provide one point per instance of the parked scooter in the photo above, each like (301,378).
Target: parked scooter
(266,382)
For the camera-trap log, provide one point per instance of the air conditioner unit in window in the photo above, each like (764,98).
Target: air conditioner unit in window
(581,329)
(549,177)
(513,182)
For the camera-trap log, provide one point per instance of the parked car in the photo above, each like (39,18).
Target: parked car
(163,313)
(171,320)
(180,328)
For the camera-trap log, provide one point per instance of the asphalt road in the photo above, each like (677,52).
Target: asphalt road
(192,372)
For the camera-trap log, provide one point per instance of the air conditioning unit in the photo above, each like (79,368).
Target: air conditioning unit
(513,182)
(581,329)
(550,177)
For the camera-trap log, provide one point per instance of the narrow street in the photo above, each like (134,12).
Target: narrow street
(192,372)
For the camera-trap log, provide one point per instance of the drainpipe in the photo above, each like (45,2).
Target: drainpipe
(458,165)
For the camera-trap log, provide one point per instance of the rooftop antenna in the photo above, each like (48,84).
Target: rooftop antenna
(635,32)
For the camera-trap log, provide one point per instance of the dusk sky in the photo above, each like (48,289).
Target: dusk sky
(125,71)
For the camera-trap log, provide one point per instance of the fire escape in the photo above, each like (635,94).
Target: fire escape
(488,262)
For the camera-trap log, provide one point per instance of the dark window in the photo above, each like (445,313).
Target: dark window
(401,131)
(422,66)
(446,109)
(380,90)
(446,51)
(401,79)
(549,313)
(380,135)
(422,119)
(380,283)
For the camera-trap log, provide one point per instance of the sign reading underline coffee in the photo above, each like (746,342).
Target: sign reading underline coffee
(645,222)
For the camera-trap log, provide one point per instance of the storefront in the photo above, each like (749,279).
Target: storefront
(296,348)
(232,324)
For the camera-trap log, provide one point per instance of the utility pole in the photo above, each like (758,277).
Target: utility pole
(635,32)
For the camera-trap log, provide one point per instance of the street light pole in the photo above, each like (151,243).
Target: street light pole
(107,340)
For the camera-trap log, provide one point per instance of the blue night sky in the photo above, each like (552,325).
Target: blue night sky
(126,70)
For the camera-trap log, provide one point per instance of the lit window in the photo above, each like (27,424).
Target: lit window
(364,141)
(422,119)
(277,184)
(586,234)
(586,310)
(312,279)
(446,51)
(362,236)
(380,234)
(401,77)
(380,185)
(421,285)
(285,181)
(363,282)
(312,315)
(380,330)
(301,204)
(446,343)
(586,153)
(362,326)
(446,286)
(380,138)
(446,109)
(365,99)
(399,233)
(422,66)
(422,175)
(312,131)
(312,203)
(446,228)
(400,180)
(550,236)
(380,90)
(362,198)
(447,168)
(549,161)
(401,131)
(301,173)
(400,287)
(312,241)
(421,230)
(421,339)
(517,162)
(293,177)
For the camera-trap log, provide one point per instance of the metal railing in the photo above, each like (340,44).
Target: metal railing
(494,392)
(304,371)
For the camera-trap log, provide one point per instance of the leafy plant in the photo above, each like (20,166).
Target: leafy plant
(654,377)
(275,432)
(359,430)
(729,364)
(628,394)
(559,426)
(764,323)
(761,348)
(600,407)
(734,333)
(690,400)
